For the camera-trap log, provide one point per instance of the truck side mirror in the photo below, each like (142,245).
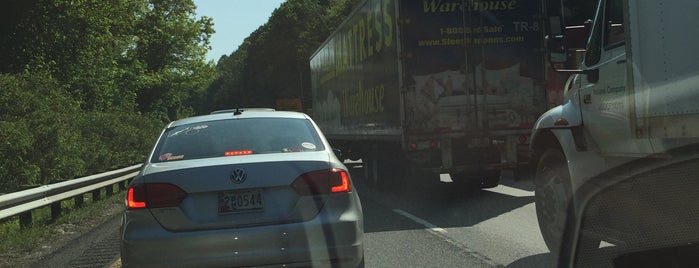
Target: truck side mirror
(556,49)
(555,42)
(566,51)
(338,153)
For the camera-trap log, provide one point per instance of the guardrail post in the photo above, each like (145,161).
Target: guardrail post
(79,200)
(55,210)
(25,219)
(122,186)
(109,190)
(96,195)
(56,206)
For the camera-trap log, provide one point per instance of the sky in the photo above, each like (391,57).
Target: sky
(234,20)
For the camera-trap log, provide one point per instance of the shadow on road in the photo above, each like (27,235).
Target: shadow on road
(539,260)
(443,204)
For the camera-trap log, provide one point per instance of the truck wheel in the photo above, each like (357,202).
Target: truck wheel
(491,178)
(388,170)
(381,169)
(468,181)
(552,195)
(369,166)
(523,173)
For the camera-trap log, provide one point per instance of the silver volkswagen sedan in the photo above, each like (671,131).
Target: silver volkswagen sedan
(242,188)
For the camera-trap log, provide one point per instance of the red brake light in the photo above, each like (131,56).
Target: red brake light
(154,195)
(136,197)
(239,152)
(344,185)
(323,182)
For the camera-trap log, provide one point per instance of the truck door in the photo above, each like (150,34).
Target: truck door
(606,100)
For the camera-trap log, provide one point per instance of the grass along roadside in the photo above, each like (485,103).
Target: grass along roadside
(19,246)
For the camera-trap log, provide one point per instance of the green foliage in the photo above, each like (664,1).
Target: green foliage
(172,44)
(46,136)
(272,63)
(35,130)
(88,84)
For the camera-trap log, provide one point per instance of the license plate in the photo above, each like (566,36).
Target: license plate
(238,201)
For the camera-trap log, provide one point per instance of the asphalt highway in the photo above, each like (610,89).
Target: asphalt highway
(414,224)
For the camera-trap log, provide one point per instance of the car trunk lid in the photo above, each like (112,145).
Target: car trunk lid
(237,191)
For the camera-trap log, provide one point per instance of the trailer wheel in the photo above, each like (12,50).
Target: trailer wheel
(552,195)
(491,178)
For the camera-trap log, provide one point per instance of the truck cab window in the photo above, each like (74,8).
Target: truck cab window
(594,46)
(607,35)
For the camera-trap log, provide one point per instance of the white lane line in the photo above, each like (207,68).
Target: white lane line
(428,226)
(442,233)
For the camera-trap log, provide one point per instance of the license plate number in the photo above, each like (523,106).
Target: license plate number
(230,202)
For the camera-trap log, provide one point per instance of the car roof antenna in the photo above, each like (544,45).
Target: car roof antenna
(238,111)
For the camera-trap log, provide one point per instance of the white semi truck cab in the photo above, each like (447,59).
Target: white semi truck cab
(633,93)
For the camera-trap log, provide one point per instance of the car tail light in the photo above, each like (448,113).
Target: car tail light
(136,197)
(154,195)
(323,182)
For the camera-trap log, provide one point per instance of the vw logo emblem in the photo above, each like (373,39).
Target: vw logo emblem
(239,176)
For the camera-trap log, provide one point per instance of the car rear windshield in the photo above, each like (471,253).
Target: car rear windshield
(237,137)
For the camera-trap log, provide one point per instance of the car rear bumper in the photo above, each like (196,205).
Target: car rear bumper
(329,239)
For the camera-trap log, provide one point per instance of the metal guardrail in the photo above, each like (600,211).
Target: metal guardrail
(23,202)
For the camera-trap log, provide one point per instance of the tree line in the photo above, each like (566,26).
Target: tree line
(87,85)
(273,62)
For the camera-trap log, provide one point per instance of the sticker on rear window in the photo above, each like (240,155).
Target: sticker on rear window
(165,156)
(175,157)
(188,130)
(169,156)
(308,145)
(195,130)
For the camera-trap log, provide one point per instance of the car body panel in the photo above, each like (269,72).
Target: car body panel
(336,232)
(203,185)
(291,229)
